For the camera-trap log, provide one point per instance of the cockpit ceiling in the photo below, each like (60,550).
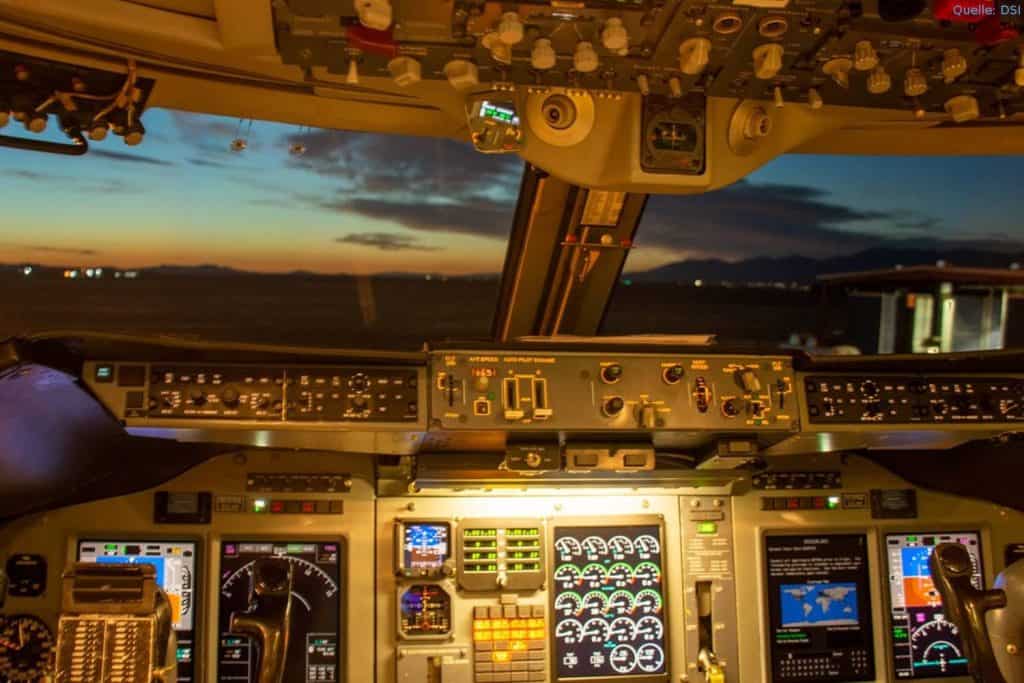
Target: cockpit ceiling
(675,96)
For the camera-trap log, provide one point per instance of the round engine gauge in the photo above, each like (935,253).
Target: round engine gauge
(26,649)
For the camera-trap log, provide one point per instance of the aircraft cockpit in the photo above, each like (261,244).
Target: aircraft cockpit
(473,341)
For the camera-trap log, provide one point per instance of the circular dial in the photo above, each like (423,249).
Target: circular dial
(594,575)
(595,547)
(568,576)
(622,659)
(622,630)
(568,548)
(649,628)
(595,630)
(936,641)
(311,585)
(647,602)
(620,574)
(647,573)
(569,631)
(426,610)
(620,546)
(646,546)
(594,603)
(620,603)
(569,604)
(650,658)
(26,649)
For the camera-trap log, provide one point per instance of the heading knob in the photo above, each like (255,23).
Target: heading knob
(510,29)
(914,83)
(585,59)
(614,37)
(864,56)
(542,56)
(694,55)
(767,61)
(953,65)
(879,81)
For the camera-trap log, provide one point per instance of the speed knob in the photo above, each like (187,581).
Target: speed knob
(767,61)
(694,55)
(914,83)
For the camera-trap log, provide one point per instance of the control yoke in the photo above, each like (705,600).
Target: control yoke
(966,607)
(268,619)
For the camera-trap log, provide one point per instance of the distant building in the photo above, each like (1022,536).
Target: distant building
(936,309)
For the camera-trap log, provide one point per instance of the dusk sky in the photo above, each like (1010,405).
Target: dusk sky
(364,203)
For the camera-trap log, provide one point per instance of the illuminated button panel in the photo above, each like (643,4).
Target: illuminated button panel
(501,555)
(509,643)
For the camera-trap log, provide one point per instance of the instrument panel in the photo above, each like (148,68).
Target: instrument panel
(535,582)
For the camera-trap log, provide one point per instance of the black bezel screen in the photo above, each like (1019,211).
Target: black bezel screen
(924,643)
(425,547)
(177,568)
(315,647)
(608,603)
(819,604)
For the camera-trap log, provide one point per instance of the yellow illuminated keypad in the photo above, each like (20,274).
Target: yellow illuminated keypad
(510,644)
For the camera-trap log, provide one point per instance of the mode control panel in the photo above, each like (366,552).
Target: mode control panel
(913,400)
(614,391)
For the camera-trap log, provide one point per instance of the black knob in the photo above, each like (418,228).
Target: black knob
(673,374)
(197,396)
(917,387)
(613,406)
(869,389)
(730,408)
(873,409)
(359,403)
(230,396)
(359,382)
(611,374)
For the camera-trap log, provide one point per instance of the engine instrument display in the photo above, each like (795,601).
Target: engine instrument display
(26,649)
(313,648)
(924,643)
(424,611)
(609,602)
(424,548)
(175,564)
(820,607)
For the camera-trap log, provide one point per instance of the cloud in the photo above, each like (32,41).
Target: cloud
(48,249)
(748,219)
(424,184)
(386,241)
(207,163)
(130,158)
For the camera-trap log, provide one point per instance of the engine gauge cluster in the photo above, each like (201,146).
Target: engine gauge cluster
(26,649)
(609,602)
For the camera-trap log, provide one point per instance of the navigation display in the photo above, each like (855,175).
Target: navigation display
(609,602)
(175,564)
(924,643)
(819,607)
(313,649)
(425,547)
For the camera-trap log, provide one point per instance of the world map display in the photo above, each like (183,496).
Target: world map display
(818,604)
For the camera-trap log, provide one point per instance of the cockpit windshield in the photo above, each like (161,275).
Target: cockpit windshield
(219,229)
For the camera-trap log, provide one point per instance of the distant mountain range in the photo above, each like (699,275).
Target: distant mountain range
(805,270)
(799,269)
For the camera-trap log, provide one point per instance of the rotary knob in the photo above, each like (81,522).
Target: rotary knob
(879,82)
(839,70)
(197,396)
(914,83)
(610,374)
(542,56)
(510,29)
(359,382)
(953,65)
(230,397)
(864,56)
(462,74)
(585,59)
(374,14)
(673,374)
(963,108)
(767,61)
(613,406)
(500,51)
(614,36)
(694,55)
